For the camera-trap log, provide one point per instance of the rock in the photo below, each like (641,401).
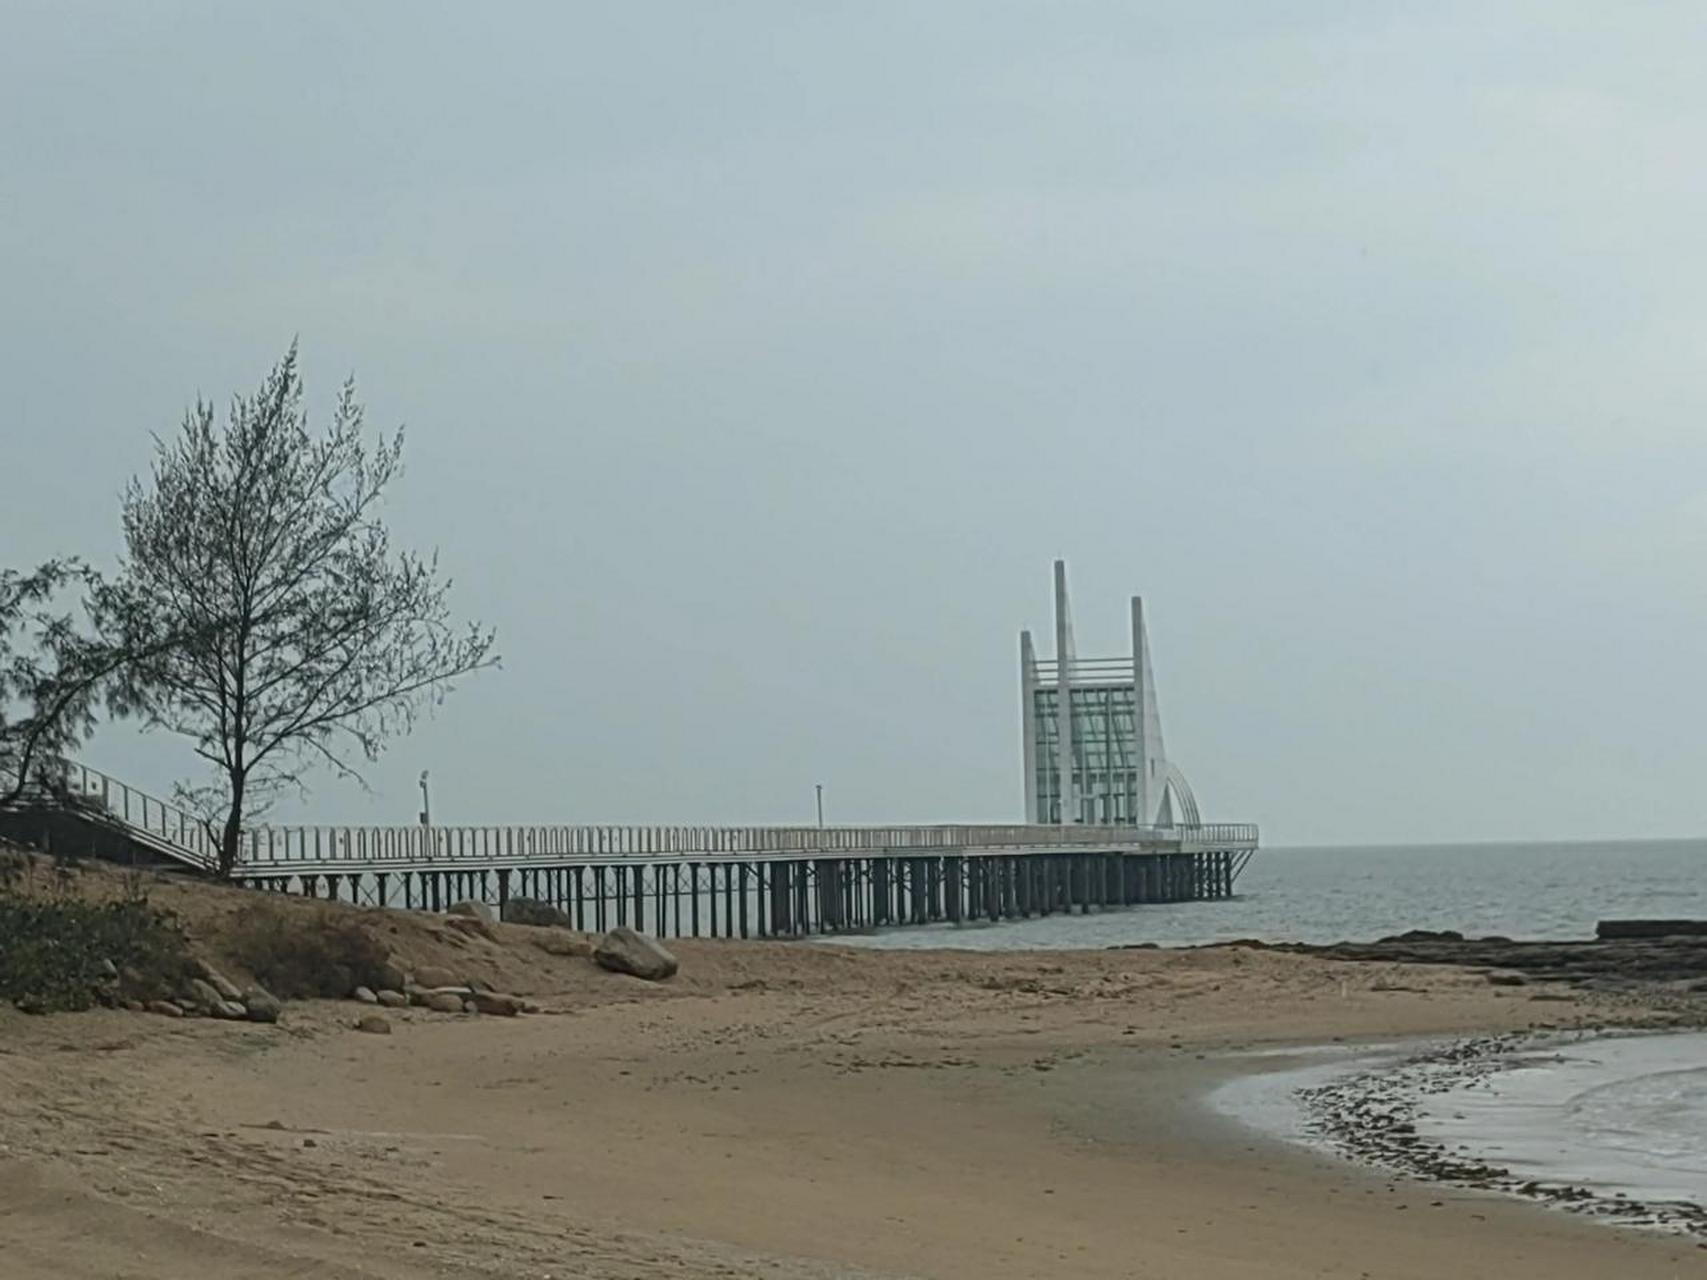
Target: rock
(203,995)
(563,942)
(424,996)
(478,910)
(1610,930)
(472,927)
(31,1004)
(230,1010)
(444,1002)
(375,1024)
(261,1006)
(165,1008)
(389,976)
(468,1007)
(391,999)
(495,1005)
(533,911)
(219,982)
(364,996)
(108,971)
(434,976)
(622,950)
(1507,979)
(133,1006)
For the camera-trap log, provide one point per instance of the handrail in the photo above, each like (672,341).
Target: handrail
(280,848)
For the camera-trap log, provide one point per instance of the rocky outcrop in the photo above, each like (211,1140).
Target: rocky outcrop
(532,911)
(1616,930)
(622,950)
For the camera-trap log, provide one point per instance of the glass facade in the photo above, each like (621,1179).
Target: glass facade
(1104,754)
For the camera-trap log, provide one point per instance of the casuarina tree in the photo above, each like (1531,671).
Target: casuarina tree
(53,670)
(312,641)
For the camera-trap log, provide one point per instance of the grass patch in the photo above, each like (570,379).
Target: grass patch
(299,957)
(60,951)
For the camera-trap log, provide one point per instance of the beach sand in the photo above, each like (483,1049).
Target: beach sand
(777,1110)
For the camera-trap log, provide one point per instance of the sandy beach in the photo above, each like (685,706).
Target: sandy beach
(776,1110)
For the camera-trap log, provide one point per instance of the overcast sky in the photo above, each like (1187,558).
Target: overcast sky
(757,359)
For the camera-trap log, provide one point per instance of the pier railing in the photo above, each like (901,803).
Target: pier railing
(180,834)
(376,848)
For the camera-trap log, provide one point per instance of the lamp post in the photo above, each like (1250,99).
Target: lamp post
(426,802)
(820,790)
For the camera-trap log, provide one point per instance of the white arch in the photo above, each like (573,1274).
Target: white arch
(1178,805)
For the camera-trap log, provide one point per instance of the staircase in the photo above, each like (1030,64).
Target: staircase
(86,813)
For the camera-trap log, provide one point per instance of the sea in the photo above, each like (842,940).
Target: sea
(1624,1118)
(1354,894)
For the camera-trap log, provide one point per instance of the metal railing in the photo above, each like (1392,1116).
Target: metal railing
(380,848)
(155,822)
(265,850)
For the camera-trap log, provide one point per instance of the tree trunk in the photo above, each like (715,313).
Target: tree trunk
(231,838)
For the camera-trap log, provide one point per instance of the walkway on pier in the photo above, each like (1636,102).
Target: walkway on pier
(762,881)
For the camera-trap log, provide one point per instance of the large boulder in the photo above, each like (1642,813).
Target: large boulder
(533,911)
(444,1002)
(622,950)
(473,909)
(225,987)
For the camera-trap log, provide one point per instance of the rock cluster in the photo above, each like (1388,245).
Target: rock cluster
(432,987)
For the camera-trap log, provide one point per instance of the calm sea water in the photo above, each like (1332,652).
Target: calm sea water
(1355,894)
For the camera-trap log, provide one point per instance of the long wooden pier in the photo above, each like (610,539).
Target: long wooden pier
(712,881)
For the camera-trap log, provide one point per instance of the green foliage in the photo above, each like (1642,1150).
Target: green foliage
(299,957)
(56,947)
(308,641)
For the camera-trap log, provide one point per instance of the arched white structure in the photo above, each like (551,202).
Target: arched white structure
(1093,733)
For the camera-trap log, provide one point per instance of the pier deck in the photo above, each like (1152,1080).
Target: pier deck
(750,881)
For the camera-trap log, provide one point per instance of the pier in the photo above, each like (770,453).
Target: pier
(677,881)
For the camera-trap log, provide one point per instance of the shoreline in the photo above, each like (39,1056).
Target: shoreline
(794,1113)
(1384,1109)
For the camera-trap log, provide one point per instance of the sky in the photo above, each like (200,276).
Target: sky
(757,359)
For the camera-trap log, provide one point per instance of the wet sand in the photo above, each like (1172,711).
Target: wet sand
(778,1111)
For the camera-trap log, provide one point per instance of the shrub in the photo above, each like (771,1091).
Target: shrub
(299,957)
(62,952)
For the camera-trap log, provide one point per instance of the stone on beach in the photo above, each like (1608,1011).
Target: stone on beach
(622,950)
(443,1001)
(364,996)
(391,999)
(374,1024)
(165,1008)
(473,909)
(533,912)
(261,1006)
(434,976)
(491,1002)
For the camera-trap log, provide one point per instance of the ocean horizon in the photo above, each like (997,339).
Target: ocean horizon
(1327,894)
